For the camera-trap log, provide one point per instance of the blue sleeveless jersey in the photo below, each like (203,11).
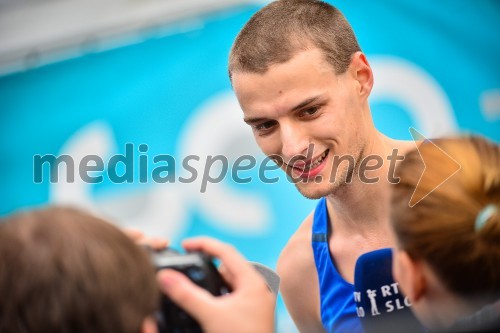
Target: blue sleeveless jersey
(338,310)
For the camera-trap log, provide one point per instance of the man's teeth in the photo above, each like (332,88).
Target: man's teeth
(316,162)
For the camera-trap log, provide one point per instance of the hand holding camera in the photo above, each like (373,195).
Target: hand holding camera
(199,268)
(196,287)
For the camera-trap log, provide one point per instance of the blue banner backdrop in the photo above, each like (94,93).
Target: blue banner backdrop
(436,68)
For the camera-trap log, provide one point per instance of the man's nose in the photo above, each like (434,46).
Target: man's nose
(294,141)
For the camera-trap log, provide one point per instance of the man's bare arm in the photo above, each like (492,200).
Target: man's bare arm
(299,281)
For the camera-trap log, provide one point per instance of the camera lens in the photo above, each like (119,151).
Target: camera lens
(196,274)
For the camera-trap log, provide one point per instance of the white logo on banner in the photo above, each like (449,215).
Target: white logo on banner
(162,209)
(407,84)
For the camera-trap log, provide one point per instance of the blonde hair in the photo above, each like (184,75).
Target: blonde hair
(440,229)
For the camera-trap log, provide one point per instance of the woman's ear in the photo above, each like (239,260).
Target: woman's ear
(149,325)
(409,273)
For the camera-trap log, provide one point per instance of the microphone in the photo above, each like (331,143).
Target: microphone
(272,278)
(380,305)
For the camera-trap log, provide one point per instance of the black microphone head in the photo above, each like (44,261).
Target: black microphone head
(380,304)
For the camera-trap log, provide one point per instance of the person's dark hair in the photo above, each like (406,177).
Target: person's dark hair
(279,30)
(441,229)
(62,270)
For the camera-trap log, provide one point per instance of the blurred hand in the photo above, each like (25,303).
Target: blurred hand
(250,306)
(139,238)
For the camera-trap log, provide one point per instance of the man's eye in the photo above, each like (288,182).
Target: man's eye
(265,126)
(309,111)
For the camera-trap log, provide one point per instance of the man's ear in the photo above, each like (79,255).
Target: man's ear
(409,273)
(362,73)
(149,325)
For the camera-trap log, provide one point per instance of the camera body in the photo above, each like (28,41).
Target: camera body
(200,269)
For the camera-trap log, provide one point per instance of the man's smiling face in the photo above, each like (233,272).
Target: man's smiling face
(302,103)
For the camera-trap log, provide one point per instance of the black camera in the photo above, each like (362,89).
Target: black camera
(199,267)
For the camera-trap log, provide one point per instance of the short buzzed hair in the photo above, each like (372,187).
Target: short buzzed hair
(279,30)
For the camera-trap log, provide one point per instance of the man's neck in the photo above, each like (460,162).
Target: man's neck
(359,208)
(363,208)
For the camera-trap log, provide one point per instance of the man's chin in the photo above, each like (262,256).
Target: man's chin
(315,191)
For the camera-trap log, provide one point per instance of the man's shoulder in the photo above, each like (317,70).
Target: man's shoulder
(297,253)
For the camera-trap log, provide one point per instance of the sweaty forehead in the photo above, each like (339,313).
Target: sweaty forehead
(306,74)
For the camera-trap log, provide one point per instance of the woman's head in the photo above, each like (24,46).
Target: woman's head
(439,246)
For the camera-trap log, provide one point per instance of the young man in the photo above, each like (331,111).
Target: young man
(303,85)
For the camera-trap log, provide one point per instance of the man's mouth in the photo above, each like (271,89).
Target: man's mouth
(311,167)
